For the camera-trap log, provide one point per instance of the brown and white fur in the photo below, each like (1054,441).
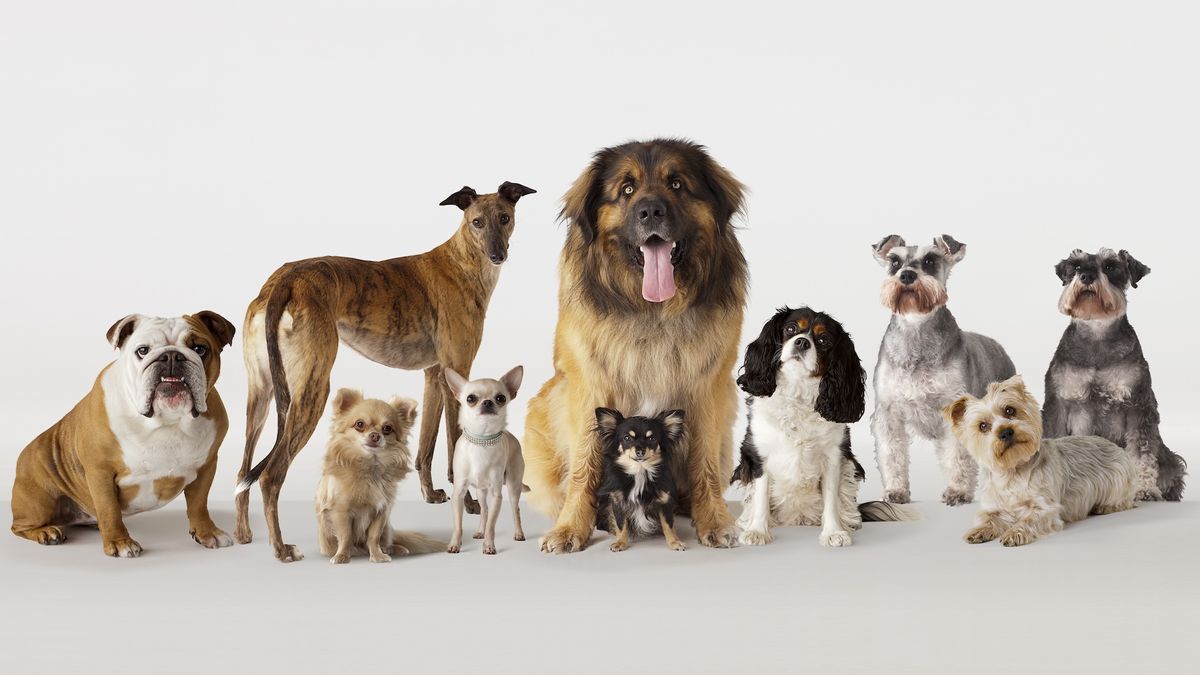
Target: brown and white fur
(1032,486)
(488,457)
(417,312)
(368,455)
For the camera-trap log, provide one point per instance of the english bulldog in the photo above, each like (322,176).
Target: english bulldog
(148,430)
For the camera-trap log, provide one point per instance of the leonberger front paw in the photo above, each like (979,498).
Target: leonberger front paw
(565,539)
(717,537)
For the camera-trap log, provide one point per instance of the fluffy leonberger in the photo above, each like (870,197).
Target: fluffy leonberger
(652,289)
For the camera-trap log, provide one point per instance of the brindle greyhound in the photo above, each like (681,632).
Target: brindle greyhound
(418,312)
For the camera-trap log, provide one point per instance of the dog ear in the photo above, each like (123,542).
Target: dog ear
(406,408)
(582,200)
(729,193)
(952,249)
(955,411)
(757,376)
(511,192)
(607,420)
(122,329)
(885,245)
(1136,269)
(345,399)
(841,396)
(1065,269)
(456,381)
(218,325)
(512,380)
(462,199)
(672,421)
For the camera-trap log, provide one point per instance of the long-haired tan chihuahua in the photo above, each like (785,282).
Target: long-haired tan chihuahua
(368,455)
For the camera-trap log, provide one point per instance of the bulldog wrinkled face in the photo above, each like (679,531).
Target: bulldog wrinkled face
(484,403)
(170,364)
(916,275)
(1002,430)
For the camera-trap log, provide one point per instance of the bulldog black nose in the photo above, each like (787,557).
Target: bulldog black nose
(907,277)
(374,437)
(651,211)
(1005,434)
(173,359)
(802,344)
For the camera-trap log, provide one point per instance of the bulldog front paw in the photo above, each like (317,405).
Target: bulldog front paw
(287,553)
(956,497)
(46,536)
(455,545)
(898,496)
(122,548)
(756,537)
(565,539)
(211,537)
(836,539)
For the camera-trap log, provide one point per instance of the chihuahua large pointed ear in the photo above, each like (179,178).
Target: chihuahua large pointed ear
(405,407)
(842,394)
(607,420)
(511,192)
(884,246)
(1136,269)
(512,380)
(345,399)
(456,381)
(218,325)
(757,376)
(462,199)
(672,421)
(952,249)
(122,329)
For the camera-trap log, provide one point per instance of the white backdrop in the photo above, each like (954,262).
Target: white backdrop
(163,159)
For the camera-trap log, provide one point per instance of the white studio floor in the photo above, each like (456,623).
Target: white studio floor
(1116,594)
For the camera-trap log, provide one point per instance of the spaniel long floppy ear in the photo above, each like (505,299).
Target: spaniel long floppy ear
(511,192)
(582,201)
(885,245)
(757,377)
(462,199)
(672,421)
(841,396)
(729,192)
(1136,269)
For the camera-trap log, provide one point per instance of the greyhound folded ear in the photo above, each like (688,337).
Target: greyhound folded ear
(511,192)
(462,199)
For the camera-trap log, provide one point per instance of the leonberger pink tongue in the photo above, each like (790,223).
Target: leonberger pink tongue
(658,274)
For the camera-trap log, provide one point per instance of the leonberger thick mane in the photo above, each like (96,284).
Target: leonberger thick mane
(652,289)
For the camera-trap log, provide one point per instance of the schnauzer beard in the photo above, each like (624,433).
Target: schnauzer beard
(1098,301)
(921,297)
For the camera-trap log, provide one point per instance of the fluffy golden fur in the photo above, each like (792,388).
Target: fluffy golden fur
(614,348)
(1031,486)
(368,455)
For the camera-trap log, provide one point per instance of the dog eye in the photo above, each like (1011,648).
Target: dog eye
(471,399)
(504,219)
(790,330)
(895,263)
(628,189)
(676,184)
(477,223)
(200,350)
(822,340)
(359,425)
(1009,411)
(984,427)
(387,429)
(928,263)
(1108,267)
(500,399)
(142,351)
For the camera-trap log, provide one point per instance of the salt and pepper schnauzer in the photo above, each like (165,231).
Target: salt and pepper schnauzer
(925,362)
(1098,382)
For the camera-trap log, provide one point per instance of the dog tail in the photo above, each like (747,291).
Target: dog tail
(276,305)
(884,512)
(524,487)
(418,543)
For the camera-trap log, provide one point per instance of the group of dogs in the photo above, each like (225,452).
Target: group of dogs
(636,424)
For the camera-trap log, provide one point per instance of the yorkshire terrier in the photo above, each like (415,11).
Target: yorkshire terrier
(637,494)
(368,455)
(1032,485)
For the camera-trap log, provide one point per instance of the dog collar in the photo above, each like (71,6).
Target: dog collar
(483,440)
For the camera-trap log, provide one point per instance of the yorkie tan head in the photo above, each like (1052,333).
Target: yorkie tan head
(1003,429)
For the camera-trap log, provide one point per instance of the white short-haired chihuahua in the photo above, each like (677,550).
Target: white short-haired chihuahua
(486,456)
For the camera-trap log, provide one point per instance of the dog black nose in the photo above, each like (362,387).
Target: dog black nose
(802,344)
(496,258)
(374,437)
(640,452)
(1005,434)
(488,404)
(907,277)
(651,211)
(173,359)
(1088,278)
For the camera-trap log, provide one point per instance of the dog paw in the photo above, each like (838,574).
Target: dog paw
(477,535)
(756,537)
(122,548)
(519,536)
(489,548)
(955,497)
(721,537)
(676,545)
(472,505)
(211,538)
(242,535)
(434,496)
(381,558)
(339,559)
(287,553)
(618,546)
(896,496)
(565,540)
(46,536)
(836,539)
(398,550)
(1148,495)
(979,535)
(1016,537)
